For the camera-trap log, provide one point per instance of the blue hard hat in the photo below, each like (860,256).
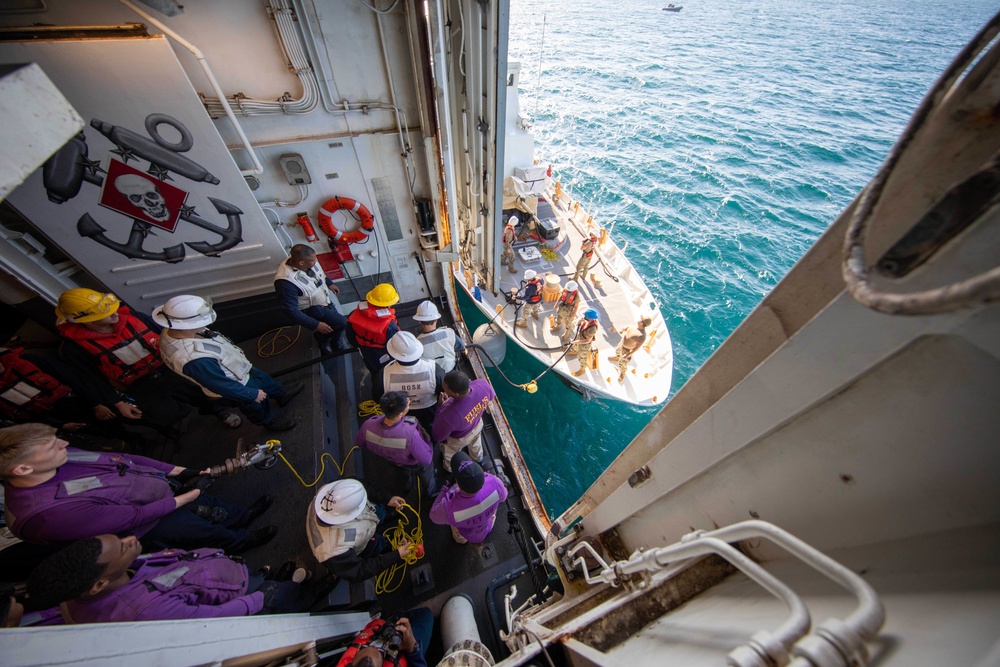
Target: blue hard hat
(591,314)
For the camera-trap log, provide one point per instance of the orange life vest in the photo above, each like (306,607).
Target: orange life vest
(588,252)
(568,298)
(586,330)
(537,296)
(362,640)
(131,351)
(371,324)
(25,389)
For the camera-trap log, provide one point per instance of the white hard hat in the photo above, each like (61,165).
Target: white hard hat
(404,347)
(341,501)
(186,311)
(571,286)
(427,312)
(529,274)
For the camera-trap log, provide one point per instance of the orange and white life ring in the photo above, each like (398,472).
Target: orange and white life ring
(331,206)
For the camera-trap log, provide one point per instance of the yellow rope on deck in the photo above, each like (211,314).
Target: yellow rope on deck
(384,582)
(322,468)
(369,409)
(269,347)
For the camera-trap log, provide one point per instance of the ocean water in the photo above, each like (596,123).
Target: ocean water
(720,141)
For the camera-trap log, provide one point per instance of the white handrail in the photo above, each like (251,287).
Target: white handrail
(200,57)
(848,635)
(764,648)
(833,643)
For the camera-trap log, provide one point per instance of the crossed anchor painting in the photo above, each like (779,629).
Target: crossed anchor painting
(146,197)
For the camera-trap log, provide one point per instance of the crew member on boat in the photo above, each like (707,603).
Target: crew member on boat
(529,297)
(105,337)
(633,338)
(345,529)
(303,291)
(470,505)
(566,307)
(509,236)
(217,365)
(56,494)
(459,420)
(400,440)
(587,250)
(586,334)
(441,344)
(105,579)
(370,326)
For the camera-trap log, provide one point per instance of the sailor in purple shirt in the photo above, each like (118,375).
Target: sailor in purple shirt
(400,440)
(55,494)
(105,579)
(470,506)
(459,420)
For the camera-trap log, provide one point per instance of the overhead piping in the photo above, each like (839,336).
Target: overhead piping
(200,57)
(403,145)
(291,46)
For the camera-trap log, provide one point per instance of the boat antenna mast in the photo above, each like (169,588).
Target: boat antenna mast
(538,78)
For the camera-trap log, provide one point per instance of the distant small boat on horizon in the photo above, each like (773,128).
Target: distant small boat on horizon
(672,8)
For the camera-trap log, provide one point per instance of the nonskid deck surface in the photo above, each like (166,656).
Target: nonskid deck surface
(328,416)
(614,290)
(207,442)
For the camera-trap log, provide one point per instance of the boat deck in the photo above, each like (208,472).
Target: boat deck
(328,416)
(612,287)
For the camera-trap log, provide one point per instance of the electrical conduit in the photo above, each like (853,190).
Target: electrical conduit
(200,57)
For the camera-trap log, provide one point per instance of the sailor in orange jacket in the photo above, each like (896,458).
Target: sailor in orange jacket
(109,340)
(566,307)
(370,326)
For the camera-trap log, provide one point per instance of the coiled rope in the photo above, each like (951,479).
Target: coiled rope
(268,342)
(385,581)
(369,408)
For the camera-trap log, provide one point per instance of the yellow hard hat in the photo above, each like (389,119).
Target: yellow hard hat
(86,305)
(383,296)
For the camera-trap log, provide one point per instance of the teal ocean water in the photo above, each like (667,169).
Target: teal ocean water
(721,141)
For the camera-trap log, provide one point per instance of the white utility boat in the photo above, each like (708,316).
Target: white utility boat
(611,285)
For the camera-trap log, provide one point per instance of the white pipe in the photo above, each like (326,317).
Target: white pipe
(458,621)
(257,167)
(279,226)
(764,648)
(864,622)
(460,634)
(306,14)
(291,47)
(438,45)
(403,146)
(508,604)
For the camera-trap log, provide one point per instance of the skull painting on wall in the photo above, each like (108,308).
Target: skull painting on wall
(143,193)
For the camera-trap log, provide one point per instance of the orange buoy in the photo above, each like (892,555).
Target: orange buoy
(331,206)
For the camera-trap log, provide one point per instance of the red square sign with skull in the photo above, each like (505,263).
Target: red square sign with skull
(141,196)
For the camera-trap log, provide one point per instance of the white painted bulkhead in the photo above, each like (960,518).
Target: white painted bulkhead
(350,142)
